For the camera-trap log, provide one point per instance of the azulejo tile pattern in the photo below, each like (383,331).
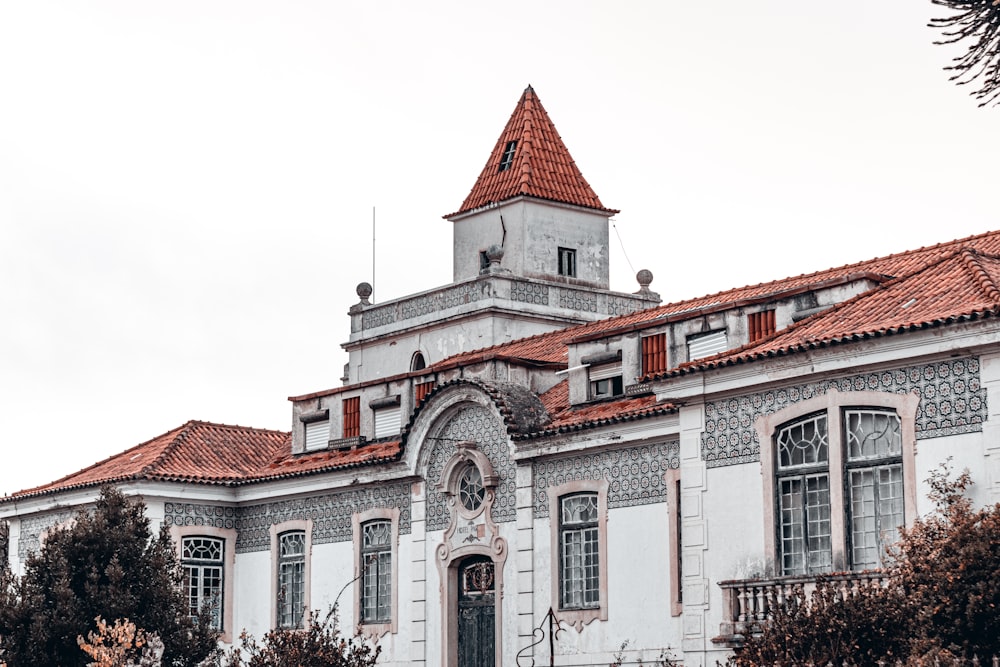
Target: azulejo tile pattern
(479,425)
(331,515)
(32,528)
(619,306)
(576,300)
(635,475)
(952,401)
(529,293)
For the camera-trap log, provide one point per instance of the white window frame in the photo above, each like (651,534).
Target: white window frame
(376,629)
(833,404)
(277,530)
(580,616)
(228,537)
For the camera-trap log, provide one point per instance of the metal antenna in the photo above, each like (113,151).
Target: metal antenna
(373,255)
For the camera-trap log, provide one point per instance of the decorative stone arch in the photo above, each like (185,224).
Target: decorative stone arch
(435,412)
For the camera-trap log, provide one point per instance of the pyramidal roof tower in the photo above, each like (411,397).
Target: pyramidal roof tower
(530,254)
(534,203)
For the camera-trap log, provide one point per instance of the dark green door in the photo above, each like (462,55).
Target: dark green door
(476,613)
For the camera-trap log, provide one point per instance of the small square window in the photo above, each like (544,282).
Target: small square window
(567,262)
(606,387)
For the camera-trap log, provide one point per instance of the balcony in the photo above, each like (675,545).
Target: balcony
(748,604)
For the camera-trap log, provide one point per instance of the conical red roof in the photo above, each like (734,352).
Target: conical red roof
(531,159)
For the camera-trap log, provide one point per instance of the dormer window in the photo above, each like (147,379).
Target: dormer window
(604,374)
(508,156)
(567,262)
(317,430)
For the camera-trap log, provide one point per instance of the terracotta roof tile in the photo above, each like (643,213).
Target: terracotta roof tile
(591,415)
(540,165)
(206,453)
(956,287)
(550,347)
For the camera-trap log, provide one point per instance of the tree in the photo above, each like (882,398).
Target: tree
(106,564)
(318,645)
(942,598)
(978,23)
(948,569)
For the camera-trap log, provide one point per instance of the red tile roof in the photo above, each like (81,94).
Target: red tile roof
(591,415)
(206,453)
(541,166)
(550,348)
(961,286)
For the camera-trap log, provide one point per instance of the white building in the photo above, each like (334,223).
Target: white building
(525,439)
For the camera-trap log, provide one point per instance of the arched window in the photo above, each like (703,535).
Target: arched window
(418,363)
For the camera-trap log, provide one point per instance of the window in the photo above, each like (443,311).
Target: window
(317,434)
(375,537)
(202,563)
(654,353)
(507,159)
(207,560)
(421,390)
(291,578)
(567,262)
(418,363)
(838,490)
(606,380)
(471,491)
(578,512)
(352,417)
(388,414)
(672,479)
(578,556)
(705,345)
(760,325)
(376,589)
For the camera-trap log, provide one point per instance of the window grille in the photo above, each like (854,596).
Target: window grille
(376,559)
(579,552)
(352,417)
(654,353)
(875,483)
(202,564)
(291,578)
(471,491)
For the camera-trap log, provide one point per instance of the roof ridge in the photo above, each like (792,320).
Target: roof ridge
(970,258)
(169,449)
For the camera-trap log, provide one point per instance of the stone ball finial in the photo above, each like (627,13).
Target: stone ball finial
(494,253)
(645,277)
(364,291)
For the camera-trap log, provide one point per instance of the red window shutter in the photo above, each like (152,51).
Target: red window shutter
(654,353)
(352,417)
(760,325)
(420,392)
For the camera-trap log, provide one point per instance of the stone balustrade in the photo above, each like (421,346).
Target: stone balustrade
(748,604)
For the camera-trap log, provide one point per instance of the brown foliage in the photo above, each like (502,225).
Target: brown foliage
(317,645)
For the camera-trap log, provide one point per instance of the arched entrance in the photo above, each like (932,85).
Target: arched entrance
(476,607)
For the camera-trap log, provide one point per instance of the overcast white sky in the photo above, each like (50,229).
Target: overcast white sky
(186,188)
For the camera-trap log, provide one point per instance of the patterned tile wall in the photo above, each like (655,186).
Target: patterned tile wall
(331,514)
(635,474)
(577,300)
(529,293)
(32,527)
(952,401)
(479,425)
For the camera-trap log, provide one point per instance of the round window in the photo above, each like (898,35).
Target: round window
(470,488)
